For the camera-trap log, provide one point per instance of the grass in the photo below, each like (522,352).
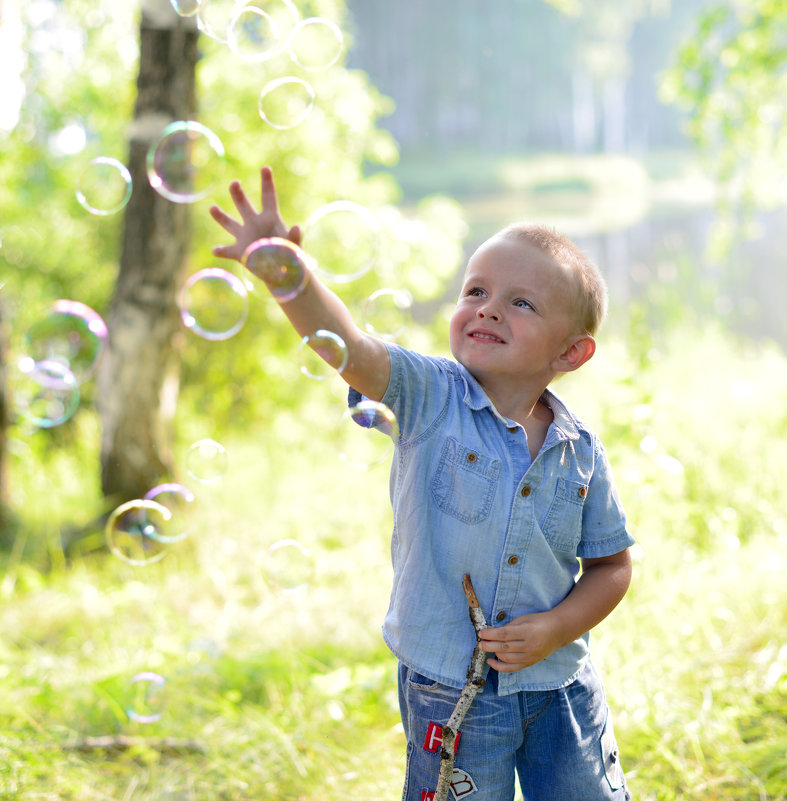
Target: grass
(291,695)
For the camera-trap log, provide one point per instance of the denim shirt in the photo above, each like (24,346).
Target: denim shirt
(467,499)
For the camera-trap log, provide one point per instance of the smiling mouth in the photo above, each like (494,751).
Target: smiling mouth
(483,337)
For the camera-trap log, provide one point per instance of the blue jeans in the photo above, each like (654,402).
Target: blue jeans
(559,742)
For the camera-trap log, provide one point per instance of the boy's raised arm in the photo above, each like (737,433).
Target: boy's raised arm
(315,306)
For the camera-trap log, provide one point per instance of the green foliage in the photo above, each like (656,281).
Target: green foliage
(51,246)
(731,75)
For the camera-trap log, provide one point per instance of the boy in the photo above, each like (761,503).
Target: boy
(492,476)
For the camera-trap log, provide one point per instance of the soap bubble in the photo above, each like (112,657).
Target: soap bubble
(104,187)
(46,393)
(367,431)
(133,531)
(281,264)
(316,44)
(253,34)
(206,461)
(214,304)
(177,499)
(322,353)
(288,566)
(214,18)
(186,8)
(387,312)
(342,237)
(186,162)
(71,333)
(146,697)
(286,102)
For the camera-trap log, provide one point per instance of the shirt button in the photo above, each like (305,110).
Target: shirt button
(472,457)
(582,492)
(513,559)
(525,491)
(501,616)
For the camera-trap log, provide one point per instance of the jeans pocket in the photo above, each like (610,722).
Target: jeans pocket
(420,682)
(465,482)
(611,757)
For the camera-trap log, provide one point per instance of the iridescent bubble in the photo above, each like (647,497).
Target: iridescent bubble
(281,264)
(186,8)
(214,18)
(206,461)
(133,531)
(367,431)
(146,697)
(288,566)
(342,237)
(178,499)
(286,102)
(253,34)
(388,312)
(71,333)
(186,162)
(104,187)
(322,353)
(316,44)
(45,393)
(214,303)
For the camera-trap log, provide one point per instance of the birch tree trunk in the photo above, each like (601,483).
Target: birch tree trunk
(143,317)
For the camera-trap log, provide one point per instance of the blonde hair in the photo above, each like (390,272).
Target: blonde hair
(590,299)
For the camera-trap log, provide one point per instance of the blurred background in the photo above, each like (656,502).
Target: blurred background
(193,536)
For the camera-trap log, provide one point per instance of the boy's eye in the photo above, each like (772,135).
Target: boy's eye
(476,292)
(523,304)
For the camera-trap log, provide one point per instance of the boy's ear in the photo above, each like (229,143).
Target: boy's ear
(580,349)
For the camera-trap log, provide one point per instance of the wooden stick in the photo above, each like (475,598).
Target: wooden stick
(475,681)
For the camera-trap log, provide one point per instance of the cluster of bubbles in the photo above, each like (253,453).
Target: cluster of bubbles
(263,29)
(183,165)
(61,352)
(185,162)
(140,531)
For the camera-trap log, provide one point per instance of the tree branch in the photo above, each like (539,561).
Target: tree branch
(475,680)
(170,746)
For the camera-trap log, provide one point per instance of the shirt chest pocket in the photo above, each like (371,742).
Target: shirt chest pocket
(465,482)
(562,523)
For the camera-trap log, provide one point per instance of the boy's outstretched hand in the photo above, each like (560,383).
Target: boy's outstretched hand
(255,224)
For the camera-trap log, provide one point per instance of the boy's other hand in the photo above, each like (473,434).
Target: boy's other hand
(522,642)
(254,225)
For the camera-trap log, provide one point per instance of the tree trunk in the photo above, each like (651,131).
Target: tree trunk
(143,317)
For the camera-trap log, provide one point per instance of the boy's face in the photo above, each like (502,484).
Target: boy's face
(514,314)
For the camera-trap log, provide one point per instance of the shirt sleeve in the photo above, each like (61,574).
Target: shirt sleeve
(417,392)
(604,529)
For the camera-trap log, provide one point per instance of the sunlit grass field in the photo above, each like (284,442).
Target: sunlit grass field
(287,692)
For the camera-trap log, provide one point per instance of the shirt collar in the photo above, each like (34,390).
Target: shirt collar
(565,426)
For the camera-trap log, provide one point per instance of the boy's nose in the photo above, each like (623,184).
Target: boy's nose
(488,311)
